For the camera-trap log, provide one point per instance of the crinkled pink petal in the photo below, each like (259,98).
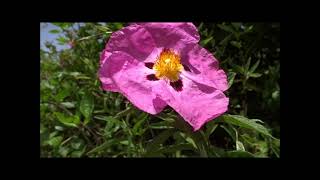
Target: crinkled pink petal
(204,66)
(196,103)
(172,35)
(134,40)
(188,28)
(130,76)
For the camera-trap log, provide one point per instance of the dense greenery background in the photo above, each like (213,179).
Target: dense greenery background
(78,119)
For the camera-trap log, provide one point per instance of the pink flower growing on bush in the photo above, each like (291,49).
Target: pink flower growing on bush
(158,64)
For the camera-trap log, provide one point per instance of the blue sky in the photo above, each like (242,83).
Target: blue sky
(46,36)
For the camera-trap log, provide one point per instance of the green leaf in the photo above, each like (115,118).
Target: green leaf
(225,40)
(63,25)
(230,131)
(176,147)
(225,28)
(71,121)
(275,147)
(254,67)
(137,128)
(123,113)
(246,123)
(248,65)
(157,141)
(68,104)
(236,25)
(76,144)
(239,146)
(248,29)
(236,44)
(61,40)
(161,125)
(58,128)
(104,29)
(255,75)
(105,118)
(204,42)
(275,94)
(231,76)
(237,68)
(125,142)
(55,141)
(63,151)
(62,94)
(262,149)
(104,146)
(118,25)
(86,106)
(77,153)
(166,117)
(239,154)
(54,31)
(200,26)
(191,141)
(211,126)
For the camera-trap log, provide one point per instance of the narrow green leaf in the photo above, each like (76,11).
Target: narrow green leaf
(246,123)
(204,42)
(255,75)
(123,113)
(104,146)
(68,104)
(71,121)
(230,132)
(248,65)
(248,29)
(236,25)
(63,25)
(225,28)
(54,31)
(77,153)
(103,28)
(236,44)
(86,106)
(138,125)
(200,26)
(254,67)
(225,40)
(239,146)
(61,40)
(239,154)
(63,151)
(174,148)
(157,141)
(58,128)
(77,144)
(62,94)
(275,94)
(237,68)
(161,125)
(211,126)
(118,25)
(55,141)
(275,147)
(231,76)
(191,141)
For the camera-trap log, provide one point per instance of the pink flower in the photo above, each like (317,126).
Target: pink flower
(158,64)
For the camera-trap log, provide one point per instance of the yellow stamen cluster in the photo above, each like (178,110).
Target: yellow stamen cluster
(168,65)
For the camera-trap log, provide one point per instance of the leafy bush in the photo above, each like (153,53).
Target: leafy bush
(79,119)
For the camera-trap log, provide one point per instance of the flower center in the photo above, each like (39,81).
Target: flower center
(168,65)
